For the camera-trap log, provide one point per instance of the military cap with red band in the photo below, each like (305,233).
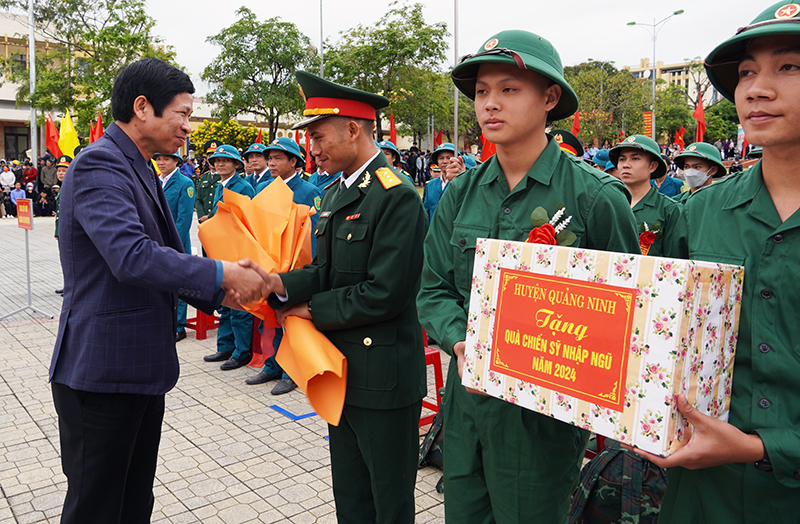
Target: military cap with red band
(325,98)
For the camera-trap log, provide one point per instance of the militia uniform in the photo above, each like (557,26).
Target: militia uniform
(235,331)
(323,181)
(432,193)
(360,289)
(179,192)
(503,463)
(735,221)
(254,179)
(656,212)
(705,151)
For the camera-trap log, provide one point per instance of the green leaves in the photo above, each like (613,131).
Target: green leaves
(539,217)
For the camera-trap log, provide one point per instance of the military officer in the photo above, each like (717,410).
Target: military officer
(701,163)
(567,142)
(638,161)
(179,192)
(255,157)
(359,292)
(748,469)
(506,464)
(235,332)
(206,187)
(282,155)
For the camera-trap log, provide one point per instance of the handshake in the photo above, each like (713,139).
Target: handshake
(245,281)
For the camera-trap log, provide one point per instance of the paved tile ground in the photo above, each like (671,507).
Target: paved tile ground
(226,456)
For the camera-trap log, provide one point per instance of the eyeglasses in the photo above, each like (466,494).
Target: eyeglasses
(499,51)
(767,22)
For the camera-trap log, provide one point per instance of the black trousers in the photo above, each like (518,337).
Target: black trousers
(109,449)
(374,455)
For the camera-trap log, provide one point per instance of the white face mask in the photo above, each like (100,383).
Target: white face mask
(696,178)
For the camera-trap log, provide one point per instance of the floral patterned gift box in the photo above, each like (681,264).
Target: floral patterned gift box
(603,340)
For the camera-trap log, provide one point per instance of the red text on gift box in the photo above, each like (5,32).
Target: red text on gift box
(566,335)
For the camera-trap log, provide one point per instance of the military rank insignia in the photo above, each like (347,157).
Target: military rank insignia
(367,180)
(317,202)
(387,178)
(190,192)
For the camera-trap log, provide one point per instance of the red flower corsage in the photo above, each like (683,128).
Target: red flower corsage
(554,232)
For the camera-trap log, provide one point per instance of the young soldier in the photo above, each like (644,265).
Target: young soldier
(700,163)
(282,155)
(179,192)
(359,291)
(748,469)
(638,161)
(235,332)
(506,464)
(257,160)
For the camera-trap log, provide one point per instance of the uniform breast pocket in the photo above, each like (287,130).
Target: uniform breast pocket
(323,242)
(351,247)
(463,242)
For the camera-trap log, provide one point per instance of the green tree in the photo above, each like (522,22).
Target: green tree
(225,132)
(394,57)
(254,72)
(672,112)
(611,101)
(94,40)
(722,121)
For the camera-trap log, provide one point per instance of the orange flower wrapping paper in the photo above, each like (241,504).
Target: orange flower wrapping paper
(275,233)
(682,320)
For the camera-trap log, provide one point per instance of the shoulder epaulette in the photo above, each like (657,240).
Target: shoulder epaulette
(387,178)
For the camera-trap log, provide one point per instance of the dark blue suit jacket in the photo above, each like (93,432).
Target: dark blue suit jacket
(123,273)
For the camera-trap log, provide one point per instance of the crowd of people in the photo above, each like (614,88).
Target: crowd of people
(388,263)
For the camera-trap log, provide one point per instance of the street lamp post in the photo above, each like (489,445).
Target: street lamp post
(656,27)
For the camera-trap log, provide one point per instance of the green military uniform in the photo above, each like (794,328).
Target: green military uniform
(204,194)
(767,365)
(662,213)
(682,197)
(503,463)
(360,289)
(735,221)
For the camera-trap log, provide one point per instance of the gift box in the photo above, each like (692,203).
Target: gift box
(602,340)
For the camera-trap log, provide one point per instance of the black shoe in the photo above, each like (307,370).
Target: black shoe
(60,291)
(181,335)
(261,378)
(233,363)
(284,386)
(219,356)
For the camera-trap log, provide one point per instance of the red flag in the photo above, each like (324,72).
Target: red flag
(98,127)
(745,143)
(258,138)
(91,131)
(700,115)
(679,137)
(297,137)
(52,137)
(621,136)
(392,128)
(487,149)
(438,140)
(576,124)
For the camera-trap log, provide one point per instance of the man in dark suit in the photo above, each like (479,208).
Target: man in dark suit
(359,291)
(124,270)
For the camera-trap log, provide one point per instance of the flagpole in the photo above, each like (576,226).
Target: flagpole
(32,61)
(455,63)
(321,52)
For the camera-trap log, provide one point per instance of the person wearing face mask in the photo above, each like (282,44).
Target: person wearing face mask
(639,161)
(700,163)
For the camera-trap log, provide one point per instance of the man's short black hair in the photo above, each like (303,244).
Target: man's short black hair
(152,78)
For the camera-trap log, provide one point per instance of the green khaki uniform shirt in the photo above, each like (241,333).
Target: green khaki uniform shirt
(735,221)
(682,197)
(506,464)
(206,186)
(659,211)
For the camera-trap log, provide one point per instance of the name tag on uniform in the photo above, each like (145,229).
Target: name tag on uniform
(325,214)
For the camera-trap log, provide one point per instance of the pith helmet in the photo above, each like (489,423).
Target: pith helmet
(722,64)
(527,51)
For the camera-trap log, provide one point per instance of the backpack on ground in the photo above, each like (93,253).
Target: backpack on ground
(430,451)
(618,486)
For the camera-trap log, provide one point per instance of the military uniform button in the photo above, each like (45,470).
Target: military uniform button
(462,242)
(764,347)
(766,293)
(777,238)
(367,341)
(764,403)
(316,231)
(180,291)
(507,211)
(349,236)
